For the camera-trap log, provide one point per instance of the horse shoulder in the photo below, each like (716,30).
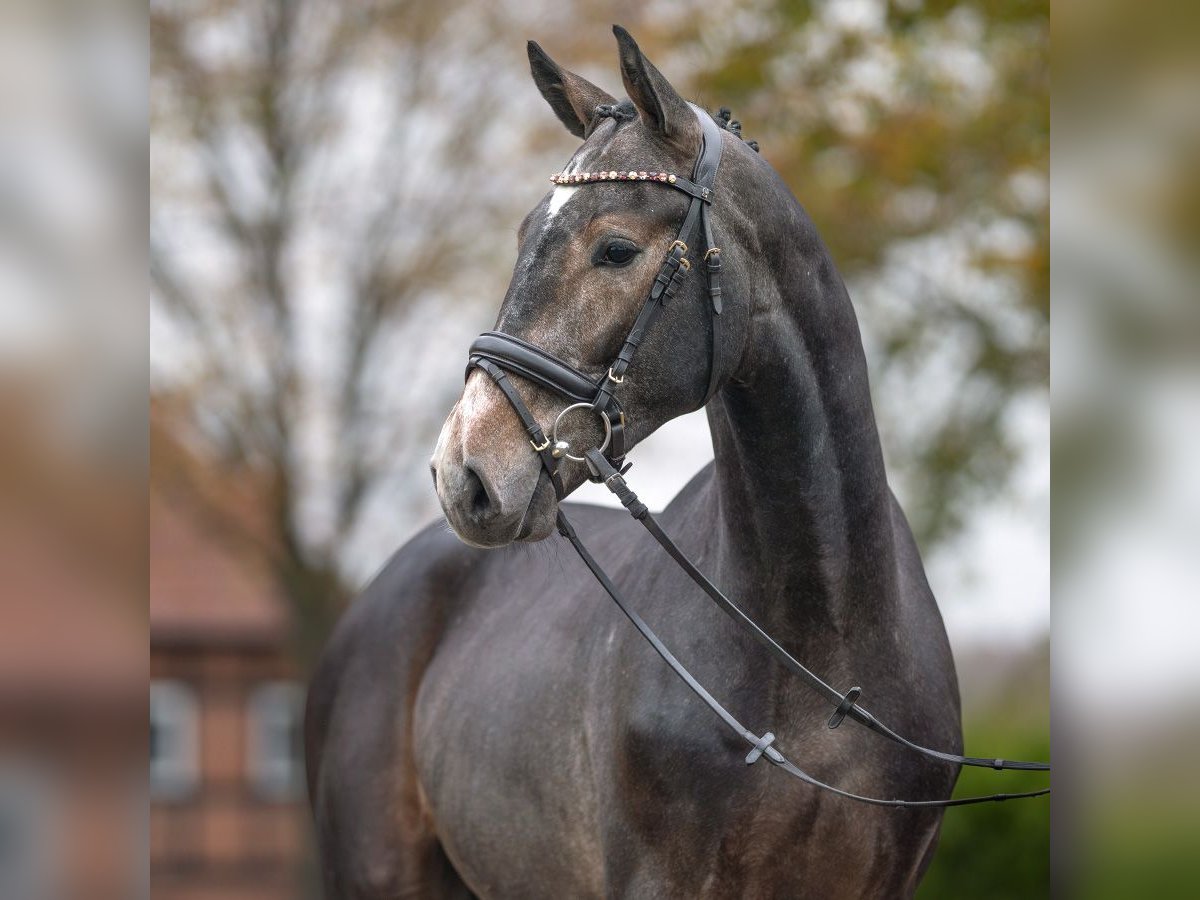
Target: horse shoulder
(367,807)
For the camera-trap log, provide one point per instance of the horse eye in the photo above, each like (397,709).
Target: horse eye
(619,253)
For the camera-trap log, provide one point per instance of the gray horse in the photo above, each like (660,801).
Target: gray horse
(485,723)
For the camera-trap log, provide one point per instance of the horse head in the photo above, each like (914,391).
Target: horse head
(587,259)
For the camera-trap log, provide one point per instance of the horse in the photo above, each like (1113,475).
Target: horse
(483,724)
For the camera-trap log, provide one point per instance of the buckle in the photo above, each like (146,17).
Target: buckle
(615,477)
(615,379)
(537,449)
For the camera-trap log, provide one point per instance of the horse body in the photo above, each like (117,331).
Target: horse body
(485,723)
(545,750)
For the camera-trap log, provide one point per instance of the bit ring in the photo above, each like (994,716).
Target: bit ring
(603,418)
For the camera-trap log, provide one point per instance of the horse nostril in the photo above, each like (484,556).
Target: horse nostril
(481,502)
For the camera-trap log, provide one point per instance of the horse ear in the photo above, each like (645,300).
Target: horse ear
(573,99)
(661,107)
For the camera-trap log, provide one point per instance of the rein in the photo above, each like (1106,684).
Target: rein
(498,354)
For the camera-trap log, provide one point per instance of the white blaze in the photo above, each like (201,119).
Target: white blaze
(558,199)
(560,195)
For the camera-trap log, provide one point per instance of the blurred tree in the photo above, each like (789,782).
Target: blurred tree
(322,173)
(311,164)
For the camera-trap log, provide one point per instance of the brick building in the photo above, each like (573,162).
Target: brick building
(228,816)
(72,669)
(72,726)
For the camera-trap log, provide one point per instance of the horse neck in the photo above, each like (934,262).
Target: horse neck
(803,501)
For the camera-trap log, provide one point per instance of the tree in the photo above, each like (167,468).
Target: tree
(311,163)
(323,173)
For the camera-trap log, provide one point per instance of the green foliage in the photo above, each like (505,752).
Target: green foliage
(1140,851)
(995,851)
(1000,851)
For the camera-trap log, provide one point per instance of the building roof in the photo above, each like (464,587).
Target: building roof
(205,585)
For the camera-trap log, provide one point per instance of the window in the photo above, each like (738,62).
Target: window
(174,741)
(275,760)
(28,854)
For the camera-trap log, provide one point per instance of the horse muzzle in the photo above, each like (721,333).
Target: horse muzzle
(492,489)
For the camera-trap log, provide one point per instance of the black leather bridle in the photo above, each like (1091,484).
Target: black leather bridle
(498,354)
(495,352)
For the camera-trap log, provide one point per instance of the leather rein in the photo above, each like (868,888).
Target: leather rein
(498,354)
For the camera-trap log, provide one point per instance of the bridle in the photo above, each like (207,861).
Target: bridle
(495,352)
(498,354)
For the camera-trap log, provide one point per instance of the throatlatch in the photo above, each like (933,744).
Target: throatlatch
(498,354)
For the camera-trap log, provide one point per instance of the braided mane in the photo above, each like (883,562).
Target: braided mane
(724,118)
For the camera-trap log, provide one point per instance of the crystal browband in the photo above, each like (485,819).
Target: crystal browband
(588,177)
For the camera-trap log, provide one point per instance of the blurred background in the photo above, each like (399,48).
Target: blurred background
(332,181)
(310,165)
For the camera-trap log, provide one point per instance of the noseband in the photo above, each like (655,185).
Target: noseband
(498,354)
